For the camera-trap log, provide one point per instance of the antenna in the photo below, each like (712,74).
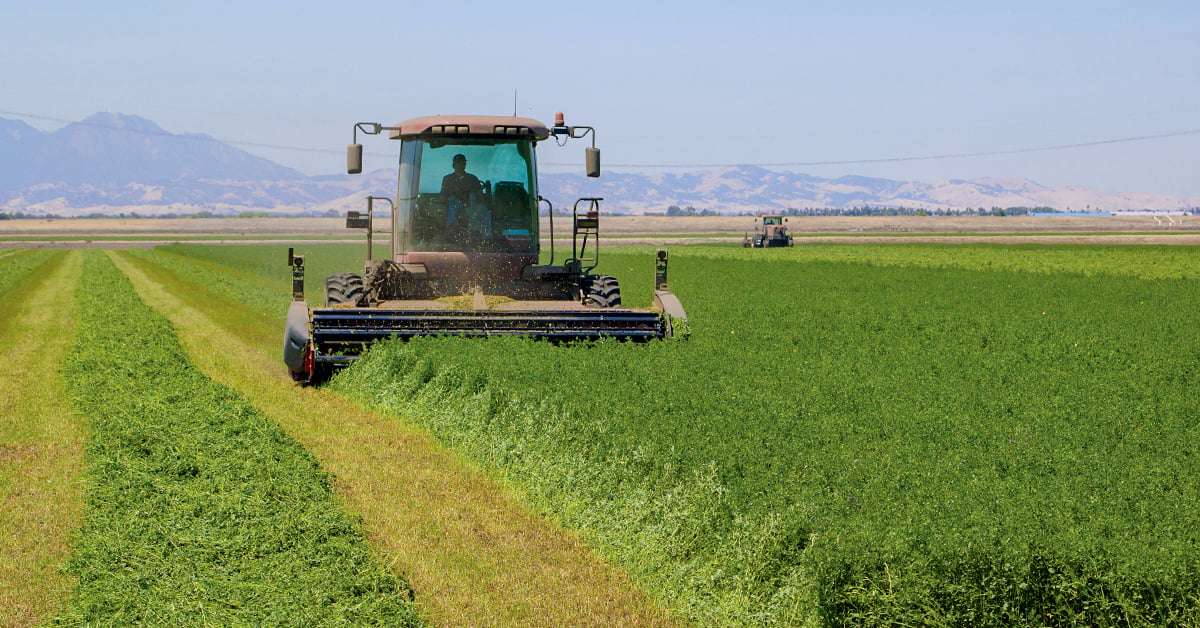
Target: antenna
(514,103)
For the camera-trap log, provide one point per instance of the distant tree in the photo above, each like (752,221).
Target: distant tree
(675,210)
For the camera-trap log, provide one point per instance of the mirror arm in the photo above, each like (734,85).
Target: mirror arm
(371,128)
(579,132)
(354,151)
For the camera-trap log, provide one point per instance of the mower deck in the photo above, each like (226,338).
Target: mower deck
(341,334)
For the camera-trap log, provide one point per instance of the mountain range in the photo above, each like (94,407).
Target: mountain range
(120,164)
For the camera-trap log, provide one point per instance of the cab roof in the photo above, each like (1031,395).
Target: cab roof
(466,126)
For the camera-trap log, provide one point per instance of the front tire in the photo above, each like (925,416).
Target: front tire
(601,291)
(342,288)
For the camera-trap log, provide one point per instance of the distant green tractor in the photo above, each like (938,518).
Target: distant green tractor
(773,233)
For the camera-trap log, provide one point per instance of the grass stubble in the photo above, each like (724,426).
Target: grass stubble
(41,442)
(475,555)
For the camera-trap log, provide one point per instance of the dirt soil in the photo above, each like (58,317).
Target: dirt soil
(640,230)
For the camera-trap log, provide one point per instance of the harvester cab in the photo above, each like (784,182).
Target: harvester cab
(466,255)
(772,233)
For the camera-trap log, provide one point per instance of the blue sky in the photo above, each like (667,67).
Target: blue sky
(679,84)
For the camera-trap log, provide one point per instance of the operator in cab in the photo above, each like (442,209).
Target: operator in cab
(463,195)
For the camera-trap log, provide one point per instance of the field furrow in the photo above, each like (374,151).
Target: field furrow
(41,441)
(474,554)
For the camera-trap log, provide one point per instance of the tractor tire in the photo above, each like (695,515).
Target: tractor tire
(341,288)
(601,291)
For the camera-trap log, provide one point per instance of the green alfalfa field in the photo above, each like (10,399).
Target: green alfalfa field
(197,509)
(908,434)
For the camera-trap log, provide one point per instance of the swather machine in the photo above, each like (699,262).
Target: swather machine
(465,252)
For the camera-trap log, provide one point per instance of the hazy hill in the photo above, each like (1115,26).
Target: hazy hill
(750,188)
(109,148)
(114,163)
(19,142)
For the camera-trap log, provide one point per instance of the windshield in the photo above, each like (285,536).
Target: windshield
(471,195)
(486,161)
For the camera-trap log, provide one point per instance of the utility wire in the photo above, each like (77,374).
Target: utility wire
(924,157)
(793,164)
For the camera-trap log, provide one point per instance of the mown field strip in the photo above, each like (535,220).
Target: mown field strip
(474,554)
(199,509)
(41,443)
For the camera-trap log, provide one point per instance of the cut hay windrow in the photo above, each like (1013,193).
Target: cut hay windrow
(200,510)
(18,264)
(249,280)
(257,275)
(474,554)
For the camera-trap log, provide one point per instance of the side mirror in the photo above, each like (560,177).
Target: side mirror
(592,159)
(354,159)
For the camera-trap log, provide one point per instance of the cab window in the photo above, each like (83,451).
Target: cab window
(502,218)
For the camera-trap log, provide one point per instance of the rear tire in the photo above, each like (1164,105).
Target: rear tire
(343,288)
(601,291)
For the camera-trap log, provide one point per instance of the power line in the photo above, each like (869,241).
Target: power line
(795,164)
(923,157)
